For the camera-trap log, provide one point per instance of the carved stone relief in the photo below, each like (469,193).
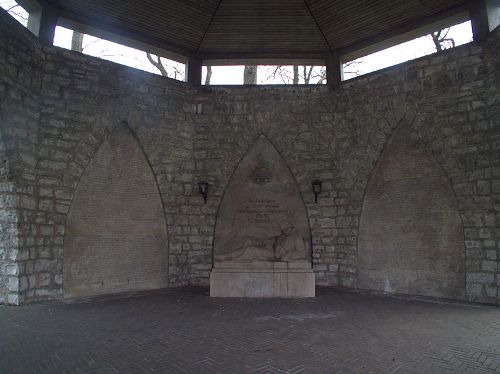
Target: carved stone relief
(262,216)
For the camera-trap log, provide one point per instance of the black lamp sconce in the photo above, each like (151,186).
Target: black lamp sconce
(203,190)
(316,184)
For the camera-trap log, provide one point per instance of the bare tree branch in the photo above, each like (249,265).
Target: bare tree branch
(441,40)
(17,12)
(157,64)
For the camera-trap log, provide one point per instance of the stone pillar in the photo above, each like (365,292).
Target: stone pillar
(479,19)
(193,70)
(333,70)
(9,269)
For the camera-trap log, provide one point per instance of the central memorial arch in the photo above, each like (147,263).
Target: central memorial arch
(262,243)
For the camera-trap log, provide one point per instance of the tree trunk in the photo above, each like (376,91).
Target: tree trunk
(308,73)
(77,41)
(295,74)
(209,75)
(441,40)
(436,36)
(250,74)
(157,64)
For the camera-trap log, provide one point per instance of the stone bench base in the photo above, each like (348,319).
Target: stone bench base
(262,279)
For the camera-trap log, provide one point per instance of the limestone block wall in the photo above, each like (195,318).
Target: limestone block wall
(58,107)
(8,232)
(83,101)
(20,80)
(449,99)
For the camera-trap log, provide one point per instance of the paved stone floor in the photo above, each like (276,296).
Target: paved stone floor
(185,331)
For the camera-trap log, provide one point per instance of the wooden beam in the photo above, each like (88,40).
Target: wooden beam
(264,58)
(193,69)
(42,19)
(479,19)
(405,33)
(485,17)
(46,20)
(34,18)
(264,61)
(126,37)
(333,70)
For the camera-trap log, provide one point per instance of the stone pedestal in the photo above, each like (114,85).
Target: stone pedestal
(262,279)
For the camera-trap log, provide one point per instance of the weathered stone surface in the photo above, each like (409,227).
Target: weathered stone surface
(20,57)
(262,216)
(262,227)
(57,107)
(115,237)
(262,279)
(9,269)
(411,234)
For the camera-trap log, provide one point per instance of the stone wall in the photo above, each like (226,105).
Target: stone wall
(83,100)
(115,238)
(20,79)
(487,232)
(8,231)
(411,237)
(58,107)
(450,99)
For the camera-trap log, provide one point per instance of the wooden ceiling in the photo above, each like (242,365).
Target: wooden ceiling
(218,28)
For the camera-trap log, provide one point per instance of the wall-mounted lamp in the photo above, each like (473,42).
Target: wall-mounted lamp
(203,190)
(316,184)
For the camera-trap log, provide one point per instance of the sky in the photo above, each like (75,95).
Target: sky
(93,46)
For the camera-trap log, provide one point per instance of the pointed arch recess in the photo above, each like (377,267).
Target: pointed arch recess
(411,237)
(262,193)
(115,235)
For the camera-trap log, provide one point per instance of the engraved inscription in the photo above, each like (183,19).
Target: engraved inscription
(115,238)
(265,220)
(262,211)
(411,236)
